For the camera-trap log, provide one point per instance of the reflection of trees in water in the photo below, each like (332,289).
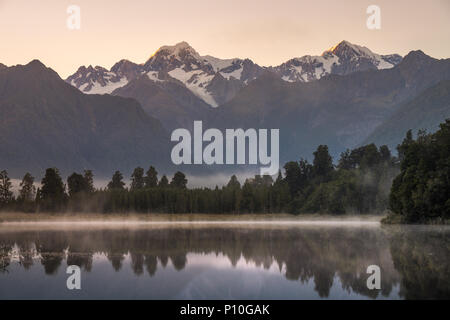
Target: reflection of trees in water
(5,258)
(422,258)
(321,254)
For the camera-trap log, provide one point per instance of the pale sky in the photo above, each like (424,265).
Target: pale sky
(267,31)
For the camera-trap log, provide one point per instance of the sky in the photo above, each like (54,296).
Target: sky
(267,31)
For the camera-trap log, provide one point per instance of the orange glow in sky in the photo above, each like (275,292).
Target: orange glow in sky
(268,32)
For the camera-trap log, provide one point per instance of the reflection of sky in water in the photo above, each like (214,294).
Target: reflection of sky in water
(206,276)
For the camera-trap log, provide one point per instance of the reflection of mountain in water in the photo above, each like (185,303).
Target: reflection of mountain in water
(421,258)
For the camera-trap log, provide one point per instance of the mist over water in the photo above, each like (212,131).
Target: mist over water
(238,260)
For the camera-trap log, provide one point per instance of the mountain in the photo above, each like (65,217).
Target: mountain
(340,111)
(426,111)
(98,80)
(212,80)
(342,59)
(46,122)
(216,81)
(167,100)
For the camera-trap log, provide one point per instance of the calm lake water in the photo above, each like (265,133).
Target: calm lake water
(216,261)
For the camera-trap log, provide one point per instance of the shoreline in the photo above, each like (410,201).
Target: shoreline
(132,219)
(203,219)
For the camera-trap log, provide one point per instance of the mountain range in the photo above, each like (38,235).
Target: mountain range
(340,111)
(179,76)
(120,118)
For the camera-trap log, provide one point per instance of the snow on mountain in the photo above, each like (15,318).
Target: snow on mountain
(197,81)
(342,59)
(98,80)
(200,73)
(215,80)
(183,63)
(226,67)
(307,68)
(180,62)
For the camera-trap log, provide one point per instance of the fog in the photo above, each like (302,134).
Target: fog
(196,223)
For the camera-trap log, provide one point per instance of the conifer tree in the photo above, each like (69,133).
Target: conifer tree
(6,195)
(151,178)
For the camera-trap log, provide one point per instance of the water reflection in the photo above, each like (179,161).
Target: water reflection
(328,261)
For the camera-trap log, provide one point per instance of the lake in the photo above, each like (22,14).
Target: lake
(224,260)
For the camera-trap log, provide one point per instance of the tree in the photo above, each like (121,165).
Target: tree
(27,190)
(76,183)
(370,157)
(248,196)
(306,173)
(89,179)
(293,173)
(345,162)
(151,178)
(137,179)
(179,180)
(234,183)
(280,194)
(116,182)
(298,176)
(52,193)
(403,147)
(164,182)
(231,195)
(6,195)
(385,153)
(322,164)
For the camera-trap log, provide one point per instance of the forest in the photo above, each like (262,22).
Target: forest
(413,187)
(358,184)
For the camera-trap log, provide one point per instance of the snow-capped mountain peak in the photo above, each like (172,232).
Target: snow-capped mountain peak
(343,58)
(205,76)
(98,80)
(178,50)
(347,51)
(167,58)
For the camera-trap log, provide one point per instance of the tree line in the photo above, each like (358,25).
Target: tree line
(359,183)
(413,187)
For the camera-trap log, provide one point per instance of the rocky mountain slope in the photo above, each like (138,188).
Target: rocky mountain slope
(47,123)
(425,112)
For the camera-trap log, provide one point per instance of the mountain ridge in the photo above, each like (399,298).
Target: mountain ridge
(216,80)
